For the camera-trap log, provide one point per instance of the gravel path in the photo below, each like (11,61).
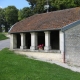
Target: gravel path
(4,44)
(49,57)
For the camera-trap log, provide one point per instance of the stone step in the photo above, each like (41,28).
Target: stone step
(28,50)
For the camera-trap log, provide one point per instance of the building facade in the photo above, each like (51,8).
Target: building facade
(58,30)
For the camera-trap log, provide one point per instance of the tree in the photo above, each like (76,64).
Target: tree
(24,13)
(20,15)
(77,2)
(38,5)
(11,15)
(1,18)
(63,4)
(32,3)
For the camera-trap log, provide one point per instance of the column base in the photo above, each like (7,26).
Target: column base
(33,48)
(47,48)
(23,47)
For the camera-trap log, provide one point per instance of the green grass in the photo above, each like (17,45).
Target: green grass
(17,67)
(2,36)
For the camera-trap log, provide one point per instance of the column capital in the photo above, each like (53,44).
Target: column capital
(33,33)
(46,31)
(22,34)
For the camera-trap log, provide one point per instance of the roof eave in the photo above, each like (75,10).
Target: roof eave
(35,31)
(70,25)
(12,27)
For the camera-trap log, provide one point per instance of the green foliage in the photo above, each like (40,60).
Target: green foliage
(8,17)
(1,15)
(1,18)
(77,2)
(63,4)
(24,13)
(20,15)
(2,36)
(38,5)
(17,67)
(32,3)
(11,14)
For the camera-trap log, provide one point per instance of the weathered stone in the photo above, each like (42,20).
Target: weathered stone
(72,46)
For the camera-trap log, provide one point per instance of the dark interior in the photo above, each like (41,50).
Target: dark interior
(54,39)
(28,40)
(41,38)
(18,40)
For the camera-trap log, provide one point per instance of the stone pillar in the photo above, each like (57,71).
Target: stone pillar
(13,41)
(33,41)
(47,41)
(61,39)
(23,42)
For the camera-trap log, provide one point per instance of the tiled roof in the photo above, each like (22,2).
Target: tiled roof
(47,21)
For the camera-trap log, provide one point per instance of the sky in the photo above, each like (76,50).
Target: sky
(19,4)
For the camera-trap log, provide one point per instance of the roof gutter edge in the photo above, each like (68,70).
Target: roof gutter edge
(35,30)
(70,25)
(11,27)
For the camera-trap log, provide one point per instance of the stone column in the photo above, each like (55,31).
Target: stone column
(47,41)
(33,41)
(13,41)
(61,39)
(23,42)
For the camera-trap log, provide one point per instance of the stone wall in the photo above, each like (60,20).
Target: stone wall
(72,46)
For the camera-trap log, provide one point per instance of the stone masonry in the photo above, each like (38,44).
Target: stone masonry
(72,46)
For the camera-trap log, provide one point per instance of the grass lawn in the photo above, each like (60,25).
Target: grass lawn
(2,36)
(17,67)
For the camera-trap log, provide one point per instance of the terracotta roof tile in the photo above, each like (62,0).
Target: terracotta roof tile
(45,21)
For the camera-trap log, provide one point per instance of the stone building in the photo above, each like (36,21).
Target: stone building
(58,30)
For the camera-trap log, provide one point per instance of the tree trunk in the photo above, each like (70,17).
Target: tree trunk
(0,28)
(6,27)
